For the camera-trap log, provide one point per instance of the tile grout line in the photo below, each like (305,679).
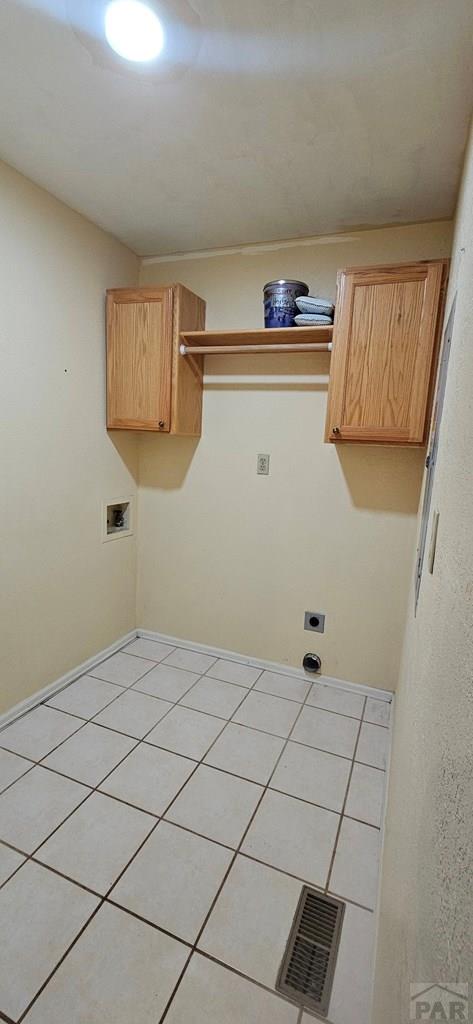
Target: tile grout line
(92,789)
(211,714)
(88,721)
(253,689)
(198,711)
(31,764)
(203,675)
(104,898)
(132,686)
(45,983)
(342,813)
(200,835)
(178,647)
(168,807)
(265,788)
(91,721)
(206,675)
(310,682)
(89,674)
(246,977)
(232,862)
(179,644)
(44,704)
(96,789)
(8,1020)
(164,931)
(177,937)
(30,855)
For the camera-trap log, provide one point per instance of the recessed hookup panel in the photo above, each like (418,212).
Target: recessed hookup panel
(117,518)
(314,621)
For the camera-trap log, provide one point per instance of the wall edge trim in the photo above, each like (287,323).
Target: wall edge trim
(349,234)
(20,709)
(271,666)
(382,845)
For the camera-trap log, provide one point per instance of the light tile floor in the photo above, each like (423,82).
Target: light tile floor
(158,818)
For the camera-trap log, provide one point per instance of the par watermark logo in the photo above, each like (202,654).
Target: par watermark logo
(433,1002)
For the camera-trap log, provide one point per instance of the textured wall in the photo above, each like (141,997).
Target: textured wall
(233,559)
(64,595)
(426,924)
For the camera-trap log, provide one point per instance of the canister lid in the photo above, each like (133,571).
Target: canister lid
(271,284)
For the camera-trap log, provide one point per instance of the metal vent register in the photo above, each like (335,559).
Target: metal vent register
(307,970)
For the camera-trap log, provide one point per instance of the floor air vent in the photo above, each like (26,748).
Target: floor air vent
(308,966)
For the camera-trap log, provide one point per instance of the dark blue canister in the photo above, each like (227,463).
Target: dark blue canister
(280,302)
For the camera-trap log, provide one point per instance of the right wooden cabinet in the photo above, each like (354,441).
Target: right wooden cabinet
(385,347)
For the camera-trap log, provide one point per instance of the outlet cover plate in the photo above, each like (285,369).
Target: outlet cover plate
(262,465)
(314,621)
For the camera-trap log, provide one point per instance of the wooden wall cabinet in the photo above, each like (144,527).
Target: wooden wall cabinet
(385,347)
(150,386)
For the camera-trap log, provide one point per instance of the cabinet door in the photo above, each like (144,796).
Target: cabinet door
(384,353)
(139,356)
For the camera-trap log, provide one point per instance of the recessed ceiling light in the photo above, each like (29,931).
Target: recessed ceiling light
(133,30)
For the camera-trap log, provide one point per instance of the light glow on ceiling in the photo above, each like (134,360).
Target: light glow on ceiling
(133,30)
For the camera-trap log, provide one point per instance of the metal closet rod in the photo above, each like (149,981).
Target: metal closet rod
(216,350)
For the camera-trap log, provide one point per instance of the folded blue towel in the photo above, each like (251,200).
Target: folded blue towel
(315,304)
(311,319)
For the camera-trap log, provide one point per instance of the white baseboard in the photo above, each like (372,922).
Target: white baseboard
(41,695)
(217,652)
(377,910)
(272,666)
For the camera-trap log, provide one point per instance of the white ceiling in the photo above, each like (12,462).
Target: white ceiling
(291,118)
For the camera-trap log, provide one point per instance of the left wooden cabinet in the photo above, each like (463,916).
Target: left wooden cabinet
(150,386)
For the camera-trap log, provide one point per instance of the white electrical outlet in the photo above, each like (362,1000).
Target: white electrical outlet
(262,465)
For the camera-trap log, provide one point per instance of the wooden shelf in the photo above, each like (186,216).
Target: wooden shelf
(262,336)
(273,339)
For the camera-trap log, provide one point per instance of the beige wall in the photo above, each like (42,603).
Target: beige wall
(233,559)
(426,925)
(226,557)
(64,595)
